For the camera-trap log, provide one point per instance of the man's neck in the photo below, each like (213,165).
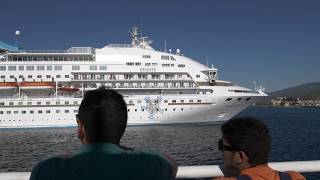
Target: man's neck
(244,166)
(248,166)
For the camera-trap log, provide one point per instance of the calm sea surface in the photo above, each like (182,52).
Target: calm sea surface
(295,133)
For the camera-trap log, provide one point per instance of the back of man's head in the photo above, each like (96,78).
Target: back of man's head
(250,135)
(103,113)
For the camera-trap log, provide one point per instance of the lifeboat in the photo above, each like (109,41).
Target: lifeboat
(68,89)
(8,85)
(36,85)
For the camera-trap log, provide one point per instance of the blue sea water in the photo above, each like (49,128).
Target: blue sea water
(295,136)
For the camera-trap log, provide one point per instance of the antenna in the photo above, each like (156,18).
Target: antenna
(17,34)
(254,85)
(141,27)
(165,45)
(141,31)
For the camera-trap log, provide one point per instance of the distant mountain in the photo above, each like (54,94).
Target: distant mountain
(304,91)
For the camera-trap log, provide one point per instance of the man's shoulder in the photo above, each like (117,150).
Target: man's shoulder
(146,154)
(155,164)
(47,162)
(43,168)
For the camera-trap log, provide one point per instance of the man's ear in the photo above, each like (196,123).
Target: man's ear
(80,131)
(241,158)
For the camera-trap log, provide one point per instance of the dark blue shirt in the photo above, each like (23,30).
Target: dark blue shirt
(104,161)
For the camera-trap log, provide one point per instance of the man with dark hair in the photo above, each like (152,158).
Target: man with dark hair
(246,145)
(102,120)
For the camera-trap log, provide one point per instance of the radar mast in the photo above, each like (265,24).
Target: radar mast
(134,36)
(141,42)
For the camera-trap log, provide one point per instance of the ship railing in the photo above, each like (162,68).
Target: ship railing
(81,50)
(72,50)
(7,97)
(45,51)
(205,171)
(132,79)
(147,87)
(119,45)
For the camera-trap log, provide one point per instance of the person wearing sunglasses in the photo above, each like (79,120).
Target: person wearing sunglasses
(102,120)
(246,145)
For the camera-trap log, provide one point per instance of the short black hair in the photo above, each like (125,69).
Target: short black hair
(103,113)
(250,135)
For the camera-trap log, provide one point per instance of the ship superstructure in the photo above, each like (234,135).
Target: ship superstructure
(44,88)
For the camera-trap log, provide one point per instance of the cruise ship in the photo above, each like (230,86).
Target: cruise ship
(43,88)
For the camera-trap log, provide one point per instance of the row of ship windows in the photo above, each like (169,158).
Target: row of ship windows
(165,101)
(163,57)
(146,56)
(240,91)
(146,76)
(182,101)
(31,68)
(76,111)
(30,120)
(239,99)
(153,64)
(49,58)
(39,103)
(70,58)
(48,68)
(166,109)
(39,111)
(129,102)
(112,76)
(76,102)
(30,76)
(65,111)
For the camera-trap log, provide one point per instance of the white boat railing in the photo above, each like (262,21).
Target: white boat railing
(215,170)
(203,171)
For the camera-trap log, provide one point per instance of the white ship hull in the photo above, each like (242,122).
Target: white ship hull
(142,110)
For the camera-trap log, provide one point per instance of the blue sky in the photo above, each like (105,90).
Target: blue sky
(276,43)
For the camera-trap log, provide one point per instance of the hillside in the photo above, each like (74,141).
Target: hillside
(304,91)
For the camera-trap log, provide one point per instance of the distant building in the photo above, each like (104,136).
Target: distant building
(289,101)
